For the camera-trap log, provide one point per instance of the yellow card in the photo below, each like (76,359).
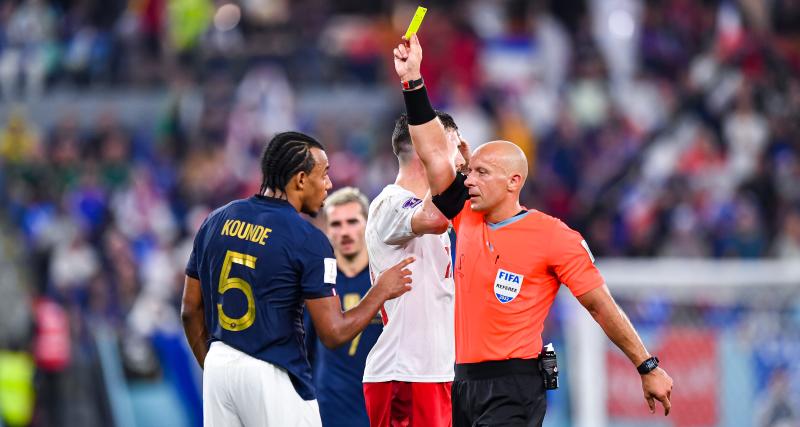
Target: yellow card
(416,21)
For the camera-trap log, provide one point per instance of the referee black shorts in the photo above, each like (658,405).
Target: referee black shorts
(499,393)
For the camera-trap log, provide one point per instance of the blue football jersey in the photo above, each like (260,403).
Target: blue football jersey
(257,261)
(338,373)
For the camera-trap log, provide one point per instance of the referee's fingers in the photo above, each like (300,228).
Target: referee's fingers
(652,404)
(414,41)
(666,403)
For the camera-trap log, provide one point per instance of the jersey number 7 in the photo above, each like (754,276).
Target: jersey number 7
(227,283)
(351,300)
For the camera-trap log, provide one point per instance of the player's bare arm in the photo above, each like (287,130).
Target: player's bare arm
(428,219)
(429,139)
(335,327)
(656,384)
(194,323)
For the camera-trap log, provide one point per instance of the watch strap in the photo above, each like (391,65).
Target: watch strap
(412,84)
(648,365)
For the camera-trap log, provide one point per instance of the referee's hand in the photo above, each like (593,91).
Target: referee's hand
(407,59)
(657,385)
(395,281)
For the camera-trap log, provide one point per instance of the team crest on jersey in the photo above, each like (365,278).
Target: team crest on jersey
(507,285)
(411,202)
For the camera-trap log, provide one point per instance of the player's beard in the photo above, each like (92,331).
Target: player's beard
(312,212)
(349,241)
(351,257)
(309,211)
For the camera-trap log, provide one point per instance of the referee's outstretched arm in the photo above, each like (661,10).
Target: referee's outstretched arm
(427,132)
(656,384)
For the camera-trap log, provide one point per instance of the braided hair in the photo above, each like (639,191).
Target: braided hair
(286,154)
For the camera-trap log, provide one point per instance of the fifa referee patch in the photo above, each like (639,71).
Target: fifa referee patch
(507,285)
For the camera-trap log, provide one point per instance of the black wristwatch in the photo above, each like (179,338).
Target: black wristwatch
(648,365)
(412,84)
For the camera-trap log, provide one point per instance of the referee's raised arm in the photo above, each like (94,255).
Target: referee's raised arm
(427,132)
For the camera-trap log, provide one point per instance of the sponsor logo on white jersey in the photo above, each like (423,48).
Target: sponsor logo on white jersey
(411,203)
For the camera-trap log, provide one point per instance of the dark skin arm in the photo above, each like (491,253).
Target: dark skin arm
(192,317)
(335,327)
(656,385)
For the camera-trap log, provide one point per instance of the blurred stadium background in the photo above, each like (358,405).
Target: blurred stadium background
(666,131)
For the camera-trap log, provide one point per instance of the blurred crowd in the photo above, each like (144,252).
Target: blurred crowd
(656,128)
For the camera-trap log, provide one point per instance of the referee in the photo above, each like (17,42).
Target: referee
(255,263)
(510,264)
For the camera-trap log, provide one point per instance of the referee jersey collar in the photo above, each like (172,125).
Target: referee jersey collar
(508,221)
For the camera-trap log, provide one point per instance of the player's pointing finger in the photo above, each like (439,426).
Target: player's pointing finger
(406,261)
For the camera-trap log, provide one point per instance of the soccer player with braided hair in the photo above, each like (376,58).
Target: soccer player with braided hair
(255,264)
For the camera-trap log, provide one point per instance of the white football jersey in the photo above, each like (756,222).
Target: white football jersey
(417,343)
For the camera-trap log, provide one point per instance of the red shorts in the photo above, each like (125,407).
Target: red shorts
(404,404)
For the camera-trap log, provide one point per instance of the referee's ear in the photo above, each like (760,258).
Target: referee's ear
(515,183)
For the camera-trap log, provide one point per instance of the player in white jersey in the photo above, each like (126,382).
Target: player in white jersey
(409,371)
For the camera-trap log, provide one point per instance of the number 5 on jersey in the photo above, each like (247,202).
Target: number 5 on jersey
(227,283)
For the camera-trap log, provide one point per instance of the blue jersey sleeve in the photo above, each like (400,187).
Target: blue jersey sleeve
(318,276)
(193,267)
(311,339)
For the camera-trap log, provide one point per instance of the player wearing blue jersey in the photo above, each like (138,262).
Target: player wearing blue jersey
(254,264)
(338,373)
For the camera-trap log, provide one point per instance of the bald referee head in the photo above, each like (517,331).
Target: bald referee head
(498,170)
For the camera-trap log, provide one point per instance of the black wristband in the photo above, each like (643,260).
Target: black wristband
(418,106)
(648,366)
(451,201)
